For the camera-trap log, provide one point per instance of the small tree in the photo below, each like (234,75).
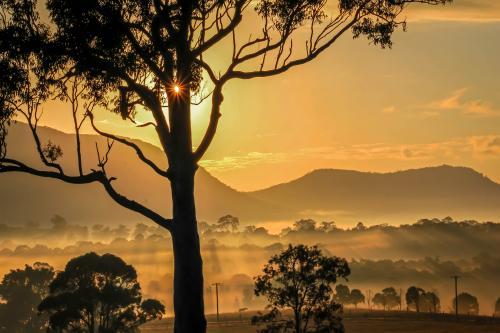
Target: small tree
(342,294)
(388,299)
(412,296)
(305,225)
(379,300)
(497,307)
(98,294)
(21,291)
(356,297)
(228,222)
(467,304)
(300,279)
(429,302)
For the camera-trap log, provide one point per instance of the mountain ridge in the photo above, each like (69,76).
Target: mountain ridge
(343,195)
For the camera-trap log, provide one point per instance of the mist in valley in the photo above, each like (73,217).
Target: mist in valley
(424,254)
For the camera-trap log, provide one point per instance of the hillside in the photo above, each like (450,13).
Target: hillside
(28,198)
(341,195)
(432,191)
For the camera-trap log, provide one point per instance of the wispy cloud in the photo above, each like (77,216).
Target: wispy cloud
(457,101)
(389,109)
(486,146)
(458,10)
(242,161)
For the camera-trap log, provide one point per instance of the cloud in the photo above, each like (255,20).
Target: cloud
(483,146)
(457,102)
(389,109)
(242,161)
(458,10)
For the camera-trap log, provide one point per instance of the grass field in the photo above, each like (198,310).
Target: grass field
(362,322)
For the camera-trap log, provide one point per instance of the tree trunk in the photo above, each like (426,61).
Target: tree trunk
(188,266)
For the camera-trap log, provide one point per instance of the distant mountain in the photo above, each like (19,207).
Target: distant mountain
(340,195)
(28,198)
(426,192)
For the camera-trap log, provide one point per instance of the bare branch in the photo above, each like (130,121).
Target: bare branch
(9,165)
(132,145)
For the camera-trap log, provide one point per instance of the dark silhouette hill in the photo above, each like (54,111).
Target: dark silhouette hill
(341,195)
(28,198)
(432,191)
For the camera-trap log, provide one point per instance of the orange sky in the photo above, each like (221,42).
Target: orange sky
(433,99)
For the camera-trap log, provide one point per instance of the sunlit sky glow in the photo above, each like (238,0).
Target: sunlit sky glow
(433,99)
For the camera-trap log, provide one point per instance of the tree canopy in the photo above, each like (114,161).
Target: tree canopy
(98,293)
(467,304)
(301,279)
(21,291)
(387,299)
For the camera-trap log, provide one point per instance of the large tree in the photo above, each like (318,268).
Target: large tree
(300,280)
(21,290)
(155,54)
(98,294)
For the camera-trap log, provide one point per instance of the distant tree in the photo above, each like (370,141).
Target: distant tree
(228,222)
(497,307)
(379,300)
(356,297)
(467,304)
(300,279)
(360,227)
(413,295)
(392,298)
(98,294)
(429,302)
(21,291)
(388,299)
(342,294)
(305,225)
(327,226)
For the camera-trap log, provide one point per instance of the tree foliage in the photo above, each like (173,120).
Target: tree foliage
(301,279)
(98,293)
(467,304)
(387,299)
(21,291)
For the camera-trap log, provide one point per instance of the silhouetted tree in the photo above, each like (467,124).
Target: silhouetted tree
(153,53)
(342,294)
(497,307)
(327,226)
(98,294)
(228,222)
(413,295)
(467,304)
(379,300)
(356,297)
(21,291)
(305,225)
(300,279)
(387,299)
(429,302)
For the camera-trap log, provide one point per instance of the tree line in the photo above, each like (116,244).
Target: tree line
(100,293)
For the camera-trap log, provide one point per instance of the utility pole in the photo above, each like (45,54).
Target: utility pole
(400,298)
(217,285)
(456,277)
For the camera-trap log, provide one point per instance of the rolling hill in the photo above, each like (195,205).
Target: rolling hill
(410,194)
(342,195)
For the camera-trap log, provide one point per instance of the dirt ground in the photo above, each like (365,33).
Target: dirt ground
(362,322)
